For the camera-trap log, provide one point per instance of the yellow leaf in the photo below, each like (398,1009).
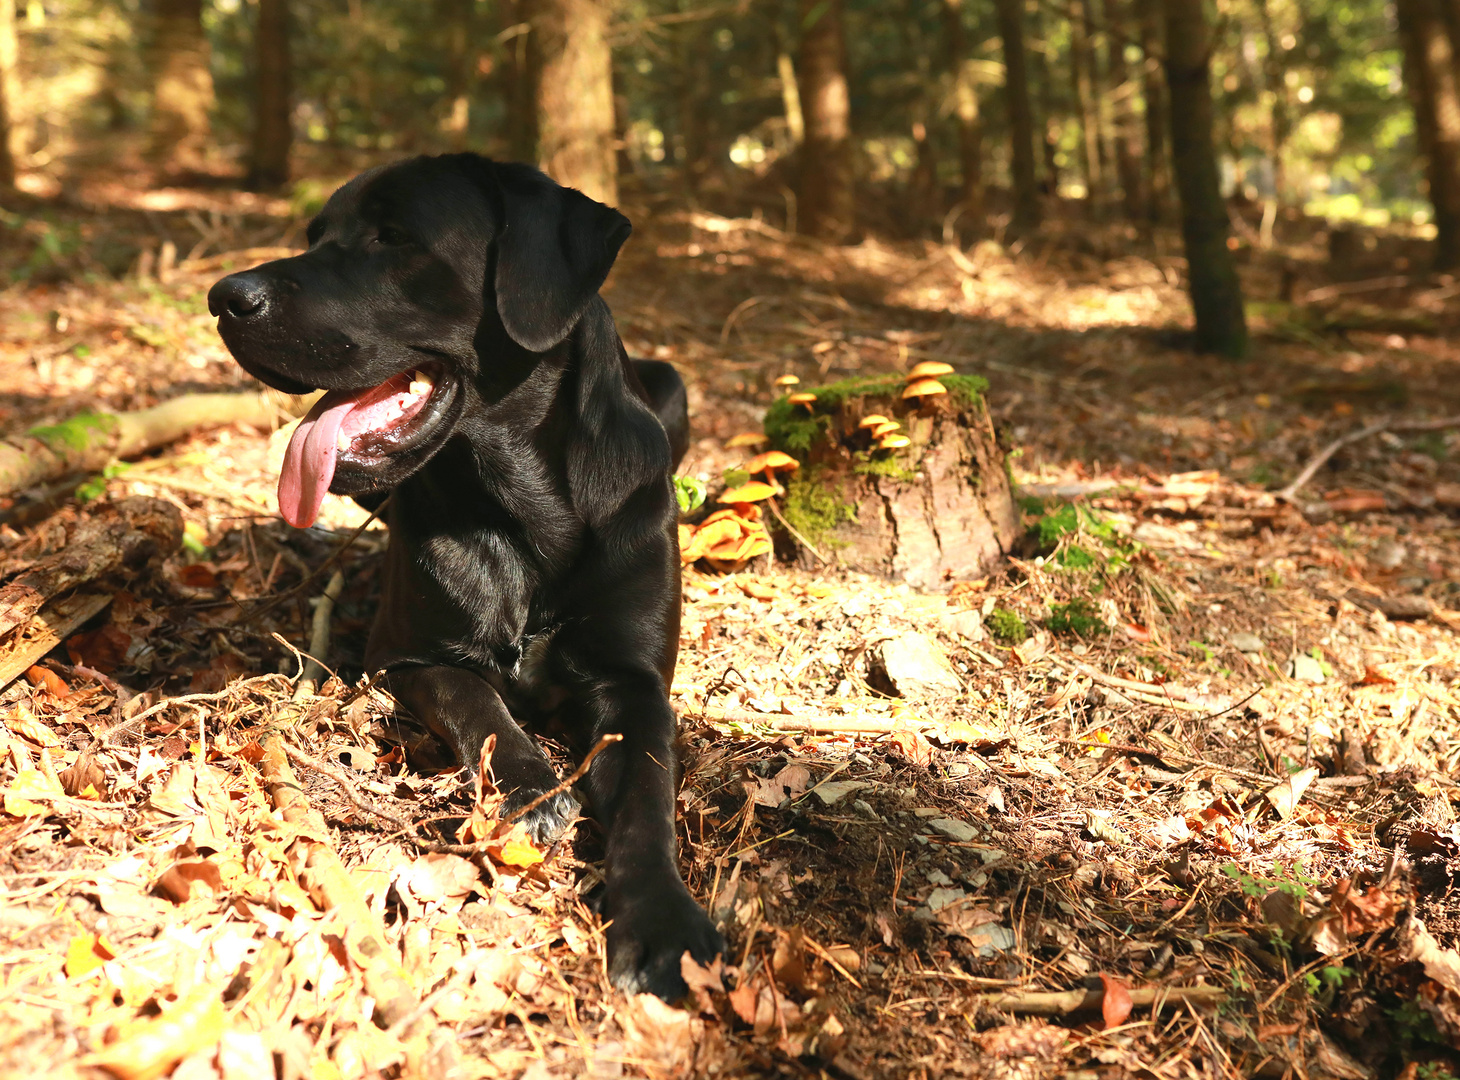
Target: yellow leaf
(749,438)
(86,953)
(29,786)
(518,853)
(149,1048)
(24,723)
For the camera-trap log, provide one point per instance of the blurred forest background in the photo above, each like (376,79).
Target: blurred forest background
(1250,122)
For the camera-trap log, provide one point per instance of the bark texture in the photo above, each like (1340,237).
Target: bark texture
(1429,68)
(182,87)
(1126,128)
(966,113)
(1021,115)
(937,511)
(1216,294)
(827,194)
(10,149)
(572,82)
(1082,71)
(273,132)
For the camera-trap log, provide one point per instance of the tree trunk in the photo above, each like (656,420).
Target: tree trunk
(516,80)
(10,149)
(456,17)
(573,92)
(1274,70)
(1429,69)
(1153,89)
(273,131)
(790,99)
(1049,125)
(182,88)
(1216,294)
(965,111)
(1021,116)
(696,101)
(1082,68)
(934,512)
(1126,128)
(827,196)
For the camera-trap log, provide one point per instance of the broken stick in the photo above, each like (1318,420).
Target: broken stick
(1064,1002)
(1289,493)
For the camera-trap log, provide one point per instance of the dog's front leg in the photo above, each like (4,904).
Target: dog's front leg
(462,709)
(653,920)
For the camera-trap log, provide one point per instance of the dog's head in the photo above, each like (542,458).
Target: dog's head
(422,278)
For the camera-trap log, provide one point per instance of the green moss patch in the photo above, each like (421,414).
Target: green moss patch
(1079,617)
(1006,626)
(812,507)
(792,429)
(76,434)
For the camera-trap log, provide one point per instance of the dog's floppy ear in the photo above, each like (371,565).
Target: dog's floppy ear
(555,249)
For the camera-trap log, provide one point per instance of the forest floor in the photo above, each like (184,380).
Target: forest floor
(1205,829)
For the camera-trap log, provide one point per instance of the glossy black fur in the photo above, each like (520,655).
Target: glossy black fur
(532,573)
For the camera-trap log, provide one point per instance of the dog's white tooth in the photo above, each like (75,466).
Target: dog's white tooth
(342,441)
(420,384)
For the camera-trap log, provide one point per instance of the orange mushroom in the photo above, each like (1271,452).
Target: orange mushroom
(787,380)
(924,388)
(885,428)
(893,442)
(802,399)
(755,491)
(872,421)
(929,369)
(770,463)
(748,438)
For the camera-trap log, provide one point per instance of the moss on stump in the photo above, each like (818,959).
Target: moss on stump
(934,512)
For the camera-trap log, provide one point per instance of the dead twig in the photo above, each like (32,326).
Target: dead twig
(1064,1002)
(352,793)
(1289,493)
(319,637)
(792,530)
(577,774)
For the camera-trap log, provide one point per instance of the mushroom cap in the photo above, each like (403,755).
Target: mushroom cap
(893,442)
(924,388)
(752,492)
(929,369)
(792,380)
(872,421)
(885,428)
(803,398)
(772,460)
(748,438)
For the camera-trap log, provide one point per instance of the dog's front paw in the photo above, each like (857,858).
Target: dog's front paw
(649,934)
(546,822)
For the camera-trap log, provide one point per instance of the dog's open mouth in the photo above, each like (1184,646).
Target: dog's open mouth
(361,424)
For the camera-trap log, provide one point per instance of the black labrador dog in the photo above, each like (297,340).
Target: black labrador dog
(449,306)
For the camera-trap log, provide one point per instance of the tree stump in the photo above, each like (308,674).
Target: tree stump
(933,512)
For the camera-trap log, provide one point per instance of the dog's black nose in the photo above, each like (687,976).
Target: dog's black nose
(240,295)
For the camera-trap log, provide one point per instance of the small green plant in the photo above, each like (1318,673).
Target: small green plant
(1317,654)
(688,491)
(1202,649)
(1006,626)
(1078,617)
(95,488)
(1057,530)
(734,478)
(1326,979)
(1291,879)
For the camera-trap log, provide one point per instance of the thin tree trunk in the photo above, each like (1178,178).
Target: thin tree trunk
(966,112)
(1274,70)
(456,16)
(1082,64)
(273,133)
(1126,128)
(1429,68)
(791,98)
(573,92)
(827,195)
(1021,116)
(695,100)
(519,55)
(182,88)
(1153,89)
(10,149)
(1216,293)
(1049,125)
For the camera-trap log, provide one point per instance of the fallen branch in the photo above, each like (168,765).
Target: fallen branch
(352,793)
(840,725)
(88,441)
(1317,462)
(1064,1002)
(319,637)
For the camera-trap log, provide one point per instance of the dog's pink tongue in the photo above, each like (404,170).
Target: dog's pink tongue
(309,463)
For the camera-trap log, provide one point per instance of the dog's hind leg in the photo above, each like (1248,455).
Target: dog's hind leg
(462,709)
(665,392)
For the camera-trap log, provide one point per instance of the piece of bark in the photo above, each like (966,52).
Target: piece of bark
(121,538)
(934,512)
(41,633)
(86,442)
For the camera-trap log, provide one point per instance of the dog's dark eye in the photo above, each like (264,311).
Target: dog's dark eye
(313,233)
(390,236)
